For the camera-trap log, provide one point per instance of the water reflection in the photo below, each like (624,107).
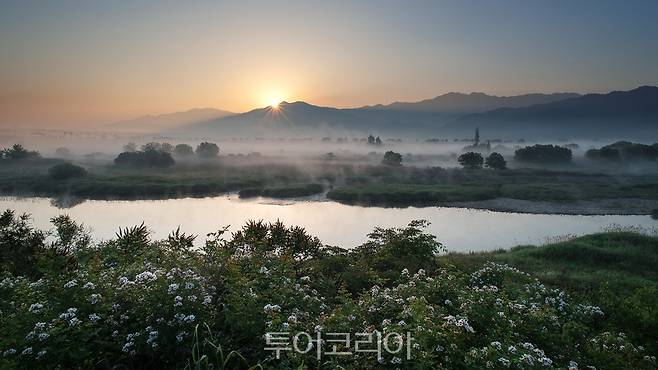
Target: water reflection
(335,224)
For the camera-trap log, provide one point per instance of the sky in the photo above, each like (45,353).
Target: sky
(86,63)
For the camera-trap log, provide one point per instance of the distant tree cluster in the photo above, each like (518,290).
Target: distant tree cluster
(156,154)
(17,152)
(374,140)
(149,158)
(543,154)
(474,161)
(624,150)
(65,171)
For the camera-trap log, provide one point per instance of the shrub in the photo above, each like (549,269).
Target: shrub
(65,171)
(543,154)
(18,152)
(496,161)
(471,160)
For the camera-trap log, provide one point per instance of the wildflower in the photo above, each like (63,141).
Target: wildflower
(264,270)
(396,360)
(505,362)
(27,351)
(180,336)
(89,286)
(271,308)
(189,319)
(189,285)
(74,321)
(173,287)
(9,352)
(573,365)
(71,284)
(439,348)
(305,278)
(318,328)
(178,301)
(207,300)
(351,317)
(41,354)
(192,298)
(43,336)
(94,318)
(292,319)
(405,273)
(153,336)
(145,277)
(127,347)
(35,307)
(39,326)
(94,298)
(496,345)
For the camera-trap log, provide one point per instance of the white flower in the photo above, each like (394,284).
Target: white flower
(189,285)
(71,284)
(192,298)
(318,328)
(305,278)
(497,345)
(127,347)
(94,318)
(94,298)
(396,360)
(180,336)
(264,270)
(27,351)
(405,272)
(41,354)
(505,362)
(189,319)
(573,365)
(292,319)
(145,277)
(43,336)
(271,308)
(173,287)
(89,286)
(35,307)
(74,321)
(207,300)
(9,352)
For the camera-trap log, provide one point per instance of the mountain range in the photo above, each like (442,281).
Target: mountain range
(618,114)
(168,121)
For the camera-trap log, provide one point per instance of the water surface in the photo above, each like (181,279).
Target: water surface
(337,224)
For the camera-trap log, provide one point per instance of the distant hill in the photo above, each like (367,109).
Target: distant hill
(304,119)
(617,114)
(169,121)
(474,102)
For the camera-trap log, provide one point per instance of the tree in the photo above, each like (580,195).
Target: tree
(207,150)
(183,150)
(378,141)
(604,154)
(153,146)
(496,161)
(166,147)
(547,154)
(18,152)
(392,159)
(471,160)
(371,140)
(65,171)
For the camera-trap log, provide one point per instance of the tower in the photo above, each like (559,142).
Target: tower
(476,139)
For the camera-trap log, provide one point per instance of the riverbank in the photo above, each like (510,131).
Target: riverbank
(600,207)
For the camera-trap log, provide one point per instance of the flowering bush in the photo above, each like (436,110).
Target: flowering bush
(136,303)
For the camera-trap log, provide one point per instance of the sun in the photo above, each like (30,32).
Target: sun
(274,102)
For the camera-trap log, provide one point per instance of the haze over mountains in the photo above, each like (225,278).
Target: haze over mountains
(169,121)
(619,114)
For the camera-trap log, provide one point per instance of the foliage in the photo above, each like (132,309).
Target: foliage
(17,152)
(624,150)
(471,160)
(65,171)
(496,161)
(183,150)
(136,303)
(543,154)
(148,158)
(392,159)
(207,150)
(604,154)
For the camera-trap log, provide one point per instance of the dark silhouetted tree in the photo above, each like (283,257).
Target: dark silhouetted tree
(64,171)
(392,159)
(17,152)
(207,150)
(149,158)
(471,160)
(496,161)
(183,150)
(544,154)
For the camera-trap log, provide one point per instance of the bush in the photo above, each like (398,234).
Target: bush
(137,303)
(471,160)
(149,158)
(496,161)
(17,152)
(543,154)
(66,171)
